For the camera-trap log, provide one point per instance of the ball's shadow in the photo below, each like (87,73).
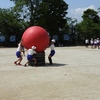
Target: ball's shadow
(54,65)
(42,64)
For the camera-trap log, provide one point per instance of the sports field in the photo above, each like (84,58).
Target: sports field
(75,75)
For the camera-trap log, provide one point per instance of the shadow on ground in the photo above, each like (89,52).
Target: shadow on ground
(48,65)
(55,65)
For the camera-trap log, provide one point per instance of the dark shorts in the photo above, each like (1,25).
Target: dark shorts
(52,52)
(18,54)
(98,44)
(29,57)
(92,44)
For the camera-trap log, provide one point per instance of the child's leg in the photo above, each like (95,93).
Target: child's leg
(49,58)
(17,61)
(26,63)
(20,59)
(34,61)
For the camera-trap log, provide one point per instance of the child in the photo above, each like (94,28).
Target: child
(52,52)
(23,50)
(92,43)
(86,43)
(18,54)
(30,55)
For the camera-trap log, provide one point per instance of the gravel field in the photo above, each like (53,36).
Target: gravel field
(75,75)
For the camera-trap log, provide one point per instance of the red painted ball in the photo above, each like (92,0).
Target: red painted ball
(36,36)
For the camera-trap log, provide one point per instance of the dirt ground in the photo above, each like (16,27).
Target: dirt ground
(75,75)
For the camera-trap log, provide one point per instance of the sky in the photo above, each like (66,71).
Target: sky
(75,8)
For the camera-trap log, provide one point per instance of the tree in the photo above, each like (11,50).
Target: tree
(27,9)
(10,23)
(90,26)
(55,15)
(90,14)
(50,14)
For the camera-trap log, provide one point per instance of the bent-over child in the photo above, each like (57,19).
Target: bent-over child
(30,55)
(18,54)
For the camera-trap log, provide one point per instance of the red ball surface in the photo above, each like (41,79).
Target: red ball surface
(36,36)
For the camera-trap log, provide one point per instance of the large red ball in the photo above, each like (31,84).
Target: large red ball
(36,36)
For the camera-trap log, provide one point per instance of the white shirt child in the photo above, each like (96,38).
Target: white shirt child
(31,52)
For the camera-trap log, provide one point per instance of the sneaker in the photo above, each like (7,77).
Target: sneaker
(50,63)
(25,65)
(19,64)
(15,63)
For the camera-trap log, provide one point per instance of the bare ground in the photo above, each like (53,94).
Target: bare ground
(75,75)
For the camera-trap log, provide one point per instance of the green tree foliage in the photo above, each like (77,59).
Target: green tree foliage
(50,14)
(10,23)
(26,9)
(90,26)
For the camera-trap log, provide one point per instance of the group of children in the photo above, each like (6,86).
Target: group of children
(30,53)
(95,43)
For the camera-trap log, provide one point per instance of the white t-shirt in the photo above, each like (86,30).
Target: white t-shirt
(98,41)
(52,47)
(19,47)
(31,52)
(95,42)
(91,41)
(86,41)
